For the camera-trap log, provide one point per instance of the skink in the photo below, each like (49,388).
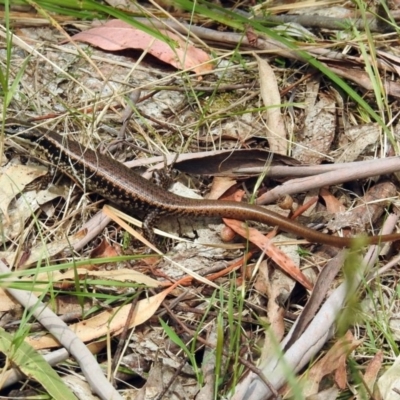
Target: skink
(118,184)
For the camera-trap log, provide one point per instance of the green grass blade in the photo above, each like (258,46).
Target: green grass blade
(34,366)
(178,341)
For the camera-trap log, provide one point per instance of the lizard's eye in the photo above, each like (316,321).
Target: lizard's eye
(14,128)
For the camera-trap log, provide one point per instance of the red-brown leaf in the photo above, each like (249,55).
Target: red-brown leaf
(118,35)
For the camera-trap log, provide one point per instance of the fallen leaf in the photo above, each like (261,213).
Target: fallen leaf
(341,373)
(333,359)
(104,250)
(277,136)
(71,304)
(117,35)
(108,322)
(371,373)
(319,132)
(227,163)
(219,186)
(356,139)
(23,208)
(13,181)
(333,205)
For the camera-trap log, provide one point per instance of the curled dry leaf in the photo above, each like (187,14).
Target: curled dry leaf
(220,186)
(329,363)
(333,205)
(13,181)
(355,140)
(118,35)
(104,249)
(228,163)
(22,209)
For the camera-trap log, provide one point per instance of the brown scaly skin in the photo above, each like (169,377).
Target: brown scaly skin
(119,184)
